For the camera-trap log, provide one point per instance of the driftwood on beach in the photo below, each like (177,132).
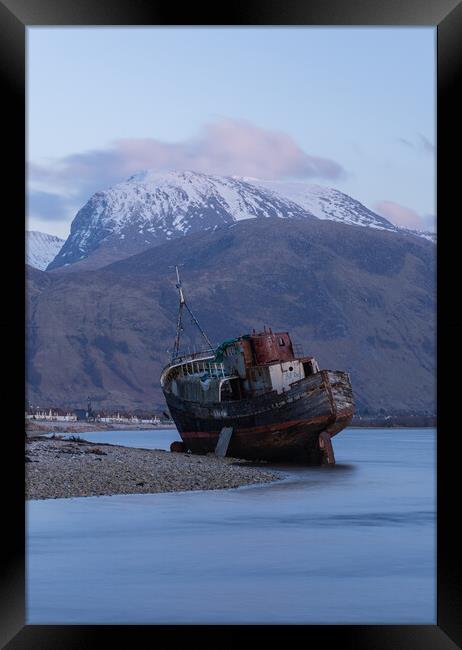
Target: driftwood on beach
(60,468)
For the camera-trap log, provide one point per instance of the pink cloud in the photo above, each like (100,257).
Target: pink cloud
(399,215)
(240,147)
(226,147)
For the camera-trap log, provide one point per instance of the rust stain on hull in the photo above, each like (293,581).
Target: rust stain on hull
(287,429)
(278,405)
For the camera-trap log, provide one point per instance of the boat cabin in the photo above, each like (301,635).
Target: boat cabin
(266,361)
(241,368)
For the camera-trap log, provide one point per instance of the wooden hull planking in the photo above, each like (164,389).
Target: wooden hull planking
(272,426)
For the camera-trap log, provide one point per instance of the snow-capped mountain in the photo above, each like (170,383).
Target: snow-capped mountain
(152,207)
(360,296)
(41,248)
(328,203)
(425,234)
(325,203)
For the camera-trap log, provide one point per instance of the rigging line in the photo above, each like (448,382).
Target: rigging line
(176,347)
(199,327)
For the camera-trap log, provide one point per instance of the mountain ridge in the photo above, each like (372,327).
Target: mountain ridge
(359,299)
(41,248)
(151,208)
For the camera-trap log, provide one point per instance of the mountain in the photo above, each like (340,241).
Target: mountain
(425,234)
(151,208)
(325,203)
(359,299)
(328,203)
(41,248)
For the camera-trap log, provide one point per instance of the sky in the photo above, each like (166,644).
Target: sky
(349,108)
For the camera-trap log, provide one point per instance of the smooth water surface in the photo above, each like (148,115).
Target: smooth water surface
(143,438)
(354,543)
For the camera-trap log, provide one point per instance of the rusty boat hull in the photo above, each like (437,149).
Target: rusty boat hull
(274,427)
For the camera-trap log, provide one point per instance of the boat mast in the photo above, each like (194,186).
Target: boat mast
(179,326)
(176,345)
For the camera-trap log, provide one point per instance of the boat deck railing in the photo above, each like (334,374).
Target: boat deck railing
(198,363)
(204,366)
(191,357)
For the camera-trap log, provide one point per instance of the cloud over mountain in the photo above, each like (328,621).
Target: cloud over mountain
(225,147)
(404,217)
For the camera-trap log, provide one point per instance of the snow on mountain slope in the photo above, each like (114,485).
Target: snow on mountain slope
(152,207)
(425,234)
(41,248)
(328,203)
(325,203)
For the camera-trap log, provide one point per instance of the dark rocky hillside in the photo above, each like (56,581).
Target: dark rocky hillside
(358,299)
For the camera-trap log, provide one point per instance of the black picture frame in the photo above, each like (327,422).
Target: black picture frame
(446,15)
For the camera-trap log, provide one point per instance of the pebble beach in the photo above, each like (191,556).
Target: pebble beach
(59,468)
(34,427)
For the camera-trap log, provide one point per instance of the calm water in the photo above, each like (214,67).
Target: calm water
(149,439)
(354,543)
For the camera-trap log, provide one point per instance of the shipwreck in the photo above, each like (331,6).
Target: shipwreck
(255,397)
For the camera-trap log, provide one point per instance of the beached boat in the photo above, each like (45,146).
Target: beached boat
(255,397)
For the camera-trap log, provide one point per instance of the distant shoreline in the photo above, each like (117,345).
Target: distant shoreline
(392,426)
(38,427)
(398,423)
(35,428)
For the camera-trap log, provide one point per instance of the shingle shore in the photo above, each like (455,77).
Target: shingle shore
(59,468)
(34,427)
